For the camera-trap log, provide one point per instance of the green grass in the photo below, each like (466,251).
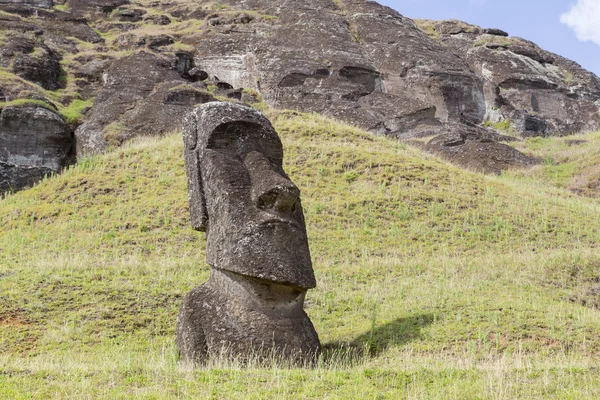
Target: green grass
(73,112)
(570,162)
(26,103)
(433,282)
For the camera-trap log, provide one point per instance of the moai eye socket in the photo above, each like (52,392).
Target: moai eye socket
(241,138)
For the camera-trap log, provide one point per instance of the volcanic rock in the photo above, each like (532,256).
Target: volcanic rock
(27,3)
(95,8)
(142,96)
(476,149)
(539,93)
(35,142)
(33,61)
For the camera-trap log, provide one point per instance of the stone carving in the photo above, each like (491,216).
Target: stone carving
(257,245)
(34,142)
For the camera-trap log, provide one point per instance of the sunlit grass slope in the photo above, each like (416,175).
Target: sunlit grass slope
(451,285)
(570,162)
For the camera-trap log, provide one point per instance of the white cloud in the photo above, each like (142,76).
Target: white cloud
(584,19)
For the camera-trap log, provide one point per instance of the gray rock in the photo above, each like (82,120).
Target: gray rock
(476,149)
(320,58)
(34,142)
(30,3)
(143,95)
(32,61)
(538,92)
(159,19)
(155,42)
(495,32)
(135,100)
(130,15)
(257,247)
(197,74)
(60,24)
(83,7)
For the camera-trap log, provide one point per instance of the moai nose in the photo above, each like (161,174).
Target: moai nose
(281,197)
(270,189)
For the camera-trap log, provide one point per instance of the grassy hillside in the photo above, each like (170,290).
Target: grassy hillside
(571,162)
(434,283)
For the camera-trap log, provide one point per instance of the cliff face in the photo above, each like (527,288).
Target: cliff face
(140,67)
(354,60)
(536,92)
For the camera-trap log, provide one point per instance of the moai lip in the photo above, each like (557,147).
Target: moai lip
(257,246)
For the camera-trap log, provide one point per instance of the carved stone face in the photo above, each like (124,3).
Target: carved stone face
(255,224)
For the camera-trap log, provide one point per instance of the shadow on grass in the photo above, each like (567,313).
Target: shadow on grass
(371,343)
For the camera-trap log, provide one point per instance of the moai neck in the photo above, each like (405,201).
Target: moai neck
(269,298)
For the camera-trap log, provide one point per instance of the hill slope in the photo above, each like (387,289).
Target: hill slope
(433,282)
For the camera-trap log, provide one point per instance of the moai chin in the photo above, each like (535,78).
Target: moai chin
(257,247)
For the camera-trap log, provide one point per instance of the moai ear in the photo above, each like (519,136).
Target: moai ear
(198,215)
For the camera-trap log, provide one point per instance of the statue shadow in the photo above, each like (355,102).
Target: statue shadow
(373,342)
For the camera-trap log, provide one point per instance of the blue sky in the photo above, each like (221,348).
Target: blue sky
(577,37)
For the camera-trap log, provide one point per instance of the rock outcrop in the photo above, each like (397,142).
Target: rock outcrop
(530,90)
(95,8)
(257,246)
(144,95)
(28,3)
(353,60)
(476,149)
(35,142)
(32,61)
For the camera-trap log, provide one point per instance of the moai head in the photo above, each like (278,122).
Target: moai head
(240,195)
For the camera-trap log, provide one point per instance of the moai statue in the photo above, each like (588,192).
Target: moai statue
(257,247)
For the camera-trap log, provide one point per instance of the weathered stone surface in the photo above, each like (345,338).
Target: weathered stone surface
(143,95)
(29,3)
(14,178)
(95,8)
(159,19)
(354,60)
(61,24)
(257,245)
(69,25)
(130,84)
(538,92)
(32,60)
(158,41)
(34,142)
(17,26)
(339,61)
(476,149)
(129,14)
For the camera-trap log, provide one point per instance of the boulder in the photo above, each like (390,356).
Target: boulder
(35,142)
(95,8)
(477,149)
